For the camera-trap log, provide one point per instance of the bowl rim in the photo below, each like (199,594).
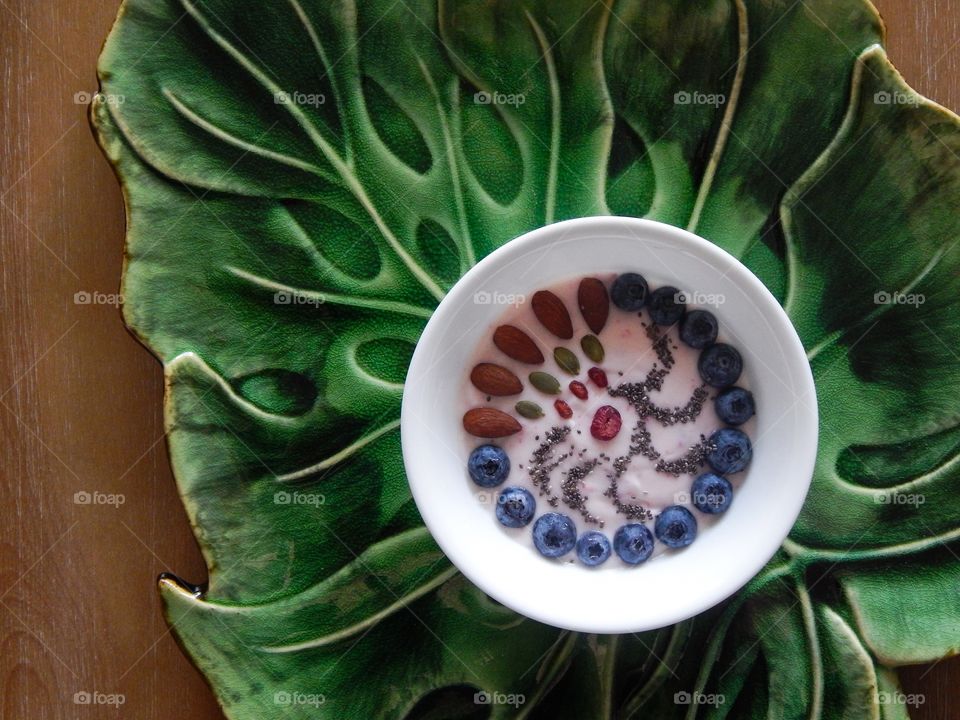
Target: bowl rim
(615,227)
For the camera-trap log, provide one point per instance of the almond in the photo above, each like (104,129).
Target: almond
(487,422)
(516,344)
(552,314)
(594,303)
(495,380)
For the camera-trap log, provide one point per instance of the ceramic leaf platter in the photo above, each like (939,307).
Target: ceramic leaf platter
(304,180)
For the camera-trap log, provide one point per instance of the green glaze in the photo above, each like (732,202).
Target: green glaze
(284,257)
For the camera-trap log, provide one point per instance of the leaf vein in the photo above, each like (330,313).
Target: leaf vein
(345,172)
(392,306)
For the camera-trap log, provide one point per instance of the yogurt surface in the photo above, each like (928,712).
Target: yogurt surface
(603,484)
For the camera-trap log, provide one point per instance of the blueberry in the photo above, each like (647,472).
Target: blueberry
(515,507)
(554,534)
(711,493)
(699,329)
(731,452)
(734,406)
(629,291)
(633,543)
(665,305)
(720,365)
(593,548)
(676,527)
(488,465)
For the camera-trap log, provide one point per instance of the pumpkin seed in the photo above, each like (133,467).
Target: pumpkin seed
(545,382)
(592,348)
(529,410)
(566,360)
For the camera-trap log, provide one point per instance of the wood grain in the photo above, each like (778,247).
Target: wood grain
(80,399)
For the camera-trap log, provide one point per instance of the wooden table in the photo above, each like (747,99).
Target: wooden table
(80,405)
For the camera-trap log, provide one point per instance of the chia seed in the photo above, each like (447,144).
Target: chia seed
(543,462)
(572,496)
(632,511)
(690,462)
(661,344)
(636,395)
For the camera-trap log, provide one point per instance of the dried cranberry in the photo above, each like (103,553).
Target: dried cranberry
(598,376)
(578,389)
(563,409)
(606,423)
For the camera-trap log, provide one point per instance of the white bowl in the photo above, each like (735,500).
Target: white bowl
(615,597)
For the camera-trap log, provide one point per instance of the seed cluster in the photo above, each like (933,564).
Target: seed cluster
(547,458)
(548,455)
(661,344)
(690,462)
(543,461)
(571,489)
(632,511)
(636,394)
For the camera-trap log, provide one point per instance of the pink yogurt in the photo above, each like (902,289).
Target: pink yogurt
(629,356)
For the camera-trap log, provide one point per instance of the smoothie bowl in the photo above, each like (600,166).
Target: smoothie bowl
(609,425)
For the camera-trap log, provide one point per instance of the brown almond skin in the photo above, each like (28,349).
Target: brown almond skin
(487,422)
(516,344)
(495,380)
(552,314)
(594,303)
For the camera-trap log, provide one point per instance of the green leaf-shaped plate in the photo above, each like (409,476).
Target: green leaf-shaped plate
(305,178)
